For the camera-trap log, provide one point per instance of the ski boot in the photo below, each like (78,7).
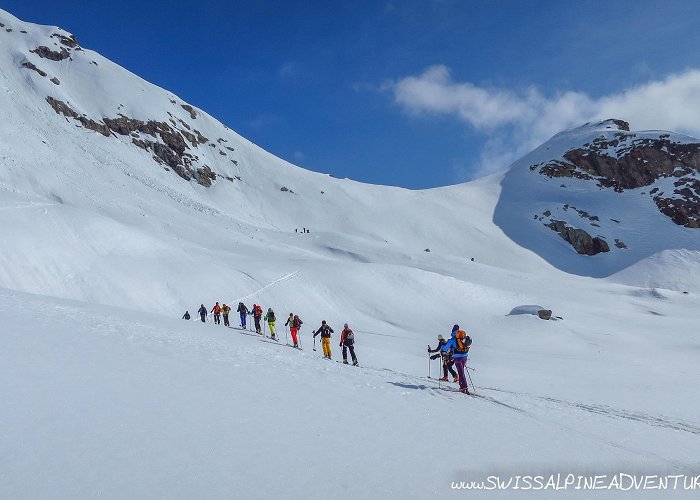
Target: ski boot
(456,380)
(355,363)
(443,379)
(345,362)
(464,391)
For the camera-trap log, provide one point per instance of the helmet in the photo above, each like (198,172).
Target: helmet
(440,337)
(345,325)
(455,328)
(323,322)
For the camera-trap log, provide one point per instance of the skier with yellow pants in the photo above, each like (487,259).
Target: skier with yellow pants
(325,332)
(270,319)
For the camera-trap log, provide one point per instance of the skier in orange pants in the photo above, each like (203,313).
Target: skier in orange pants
(294,323)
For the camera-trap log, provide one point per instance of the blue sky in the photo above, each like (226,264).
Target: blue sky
(409,93)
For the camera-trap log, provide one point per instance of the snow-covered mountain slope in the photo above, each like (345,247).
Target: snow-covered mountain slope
(116,216)
(96,218)
(635,194)
(111,403)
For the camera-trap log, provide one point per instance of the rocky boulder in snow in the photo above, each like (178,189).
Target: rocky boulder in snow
(582,242)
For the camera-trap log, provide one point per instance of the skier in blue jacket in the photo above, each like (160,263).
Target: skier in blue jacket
(459,345)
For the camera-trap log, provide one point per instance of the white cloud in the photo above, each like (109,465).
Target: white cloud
(516,121)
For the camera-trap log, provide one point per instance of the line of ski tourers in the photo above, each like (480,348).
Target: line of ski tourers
(294,322)
(453,352)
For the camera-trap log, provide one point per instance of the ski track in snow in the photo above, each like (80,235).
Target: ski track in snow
(284,278)
(610,412)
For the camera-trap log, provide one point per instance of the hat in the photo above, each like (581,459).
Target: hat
(455,328)
(345,325)
(323,322)
(440,337)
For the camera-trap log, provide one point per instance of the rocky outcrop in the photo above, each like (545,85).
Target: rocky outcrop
(53,55)
(68,41)
(583,243)
(62,108)
(171,150)
(31,66)
(684,207)
(190,110)
(622,161)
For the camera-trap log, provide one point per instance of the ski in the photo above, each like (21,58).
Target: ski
(269,341)
(244,332)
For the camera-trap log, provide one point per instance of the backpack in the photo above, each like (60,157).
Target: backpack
(349,337)
(258,311)
(462,342)
(271,317)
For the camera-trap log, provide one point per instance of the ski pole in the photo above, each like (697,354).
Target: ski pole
(470,380)
(314,342)
(286,334)
(429,360)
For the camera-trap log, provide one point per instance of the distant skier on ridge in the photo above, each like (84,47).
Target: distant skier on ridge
(186,315)
(203,313)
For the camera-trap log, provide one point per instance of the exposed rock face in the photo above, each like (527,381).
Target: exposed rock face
(172,150)
(31,66)
(582,242)
(627,162)
(190,110)
(62,108)
(68,41)
(54,55)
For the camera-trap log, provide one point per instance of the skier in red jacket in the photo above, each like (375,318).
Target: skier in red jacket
(347,342)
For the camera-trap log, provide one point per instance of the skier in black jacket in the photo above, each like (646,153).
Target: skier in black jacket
(447,361)
(203,313)
(325,331)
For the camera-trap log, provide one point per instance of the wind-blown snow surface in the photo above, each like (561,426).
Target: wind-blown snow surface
(108,394)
